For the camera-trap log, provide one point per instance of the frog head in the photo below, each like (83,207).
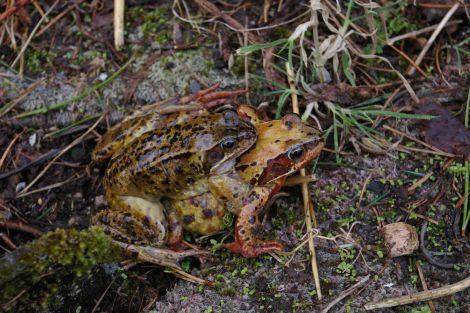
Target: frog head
(283,147)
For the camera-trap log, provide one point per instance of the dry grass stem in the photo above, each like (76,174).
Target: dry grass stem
(346,293)
(50,187)
(415,33)
(436,150)
(119,23)
(8,149)
(305,193)
(425,286)
(70,146)
(434,35)
(33,32)
(421,296)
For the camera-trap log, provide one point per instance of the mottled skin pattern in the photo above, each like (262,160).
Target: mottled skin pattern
(152,117)
(171,162)
(283,147)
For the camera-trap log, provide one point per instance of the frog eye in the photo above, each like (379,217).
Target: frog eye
(228,143)
(296,153)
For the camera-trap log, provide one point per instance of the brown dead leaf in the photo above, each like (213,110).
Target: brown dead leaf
(445,132)
(340,93)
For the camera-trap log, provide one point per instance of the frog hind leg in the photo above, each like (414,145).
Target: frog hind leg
(134,220)
(246,242)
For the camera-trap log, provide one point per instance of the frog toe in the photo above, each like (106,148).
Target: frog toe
(254,249)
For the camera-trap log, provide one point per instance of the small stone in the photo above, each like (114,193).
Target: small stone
(32,139)
(20,186)
(99,201)
(400,239)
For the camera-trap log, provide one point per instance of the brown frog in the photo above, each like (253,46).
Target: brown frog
(283,147)
(170,159)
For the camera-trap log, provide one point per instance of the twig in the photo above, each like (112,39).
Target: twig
(21,96)
(119,23)
(39,160)
(26,43)
(57,18)
(70,146)
(305,193)
(346,293)
(421,296)
(7,151)
(8,241)
(13,9)
(421,181)
(425,286)
(56,185)
(20,226)
(440,152)
(434,35)
(212,8)
(102,296)
(415,33)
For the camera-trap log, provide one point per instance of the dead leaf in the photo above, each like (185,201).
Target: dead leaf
(445,132)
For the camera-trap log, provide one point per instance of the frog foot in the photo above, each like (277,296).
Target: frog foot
(210,98)
(164,257)
(251,249)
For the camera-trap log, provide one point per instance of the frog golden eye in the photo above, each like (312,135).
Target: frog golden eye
(296,153)
(229,144)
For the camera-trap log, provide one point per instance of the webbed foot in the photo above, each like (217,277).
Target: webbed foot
(164,257)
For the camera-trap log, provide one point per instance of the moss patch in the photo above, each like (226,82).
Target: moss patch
(32,277)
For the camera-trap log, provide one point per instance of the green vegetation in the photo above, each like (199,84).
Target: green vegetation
(33,276)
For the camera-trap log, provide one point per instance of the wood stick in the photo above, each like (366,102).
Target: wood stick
(421,296)
(119,23)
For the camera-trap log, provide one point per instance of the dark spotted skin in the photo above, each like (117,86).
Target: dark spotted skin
(169,162)
(257,177)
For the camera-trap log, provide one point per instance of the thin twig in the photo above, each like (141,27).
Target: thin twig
(56,185)
(70,146)
(438,151)
(26,43)
(102,296)
(425,286)
(7,151)
(20,226)
(21,96)
(415,33)
(434,35)
(39,160)
(346,293)
(12,9)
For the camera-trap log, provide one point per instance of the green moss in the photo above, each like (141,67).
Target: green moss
(32,276)
(36,59)
(229,292)
(238,67)
(156,23)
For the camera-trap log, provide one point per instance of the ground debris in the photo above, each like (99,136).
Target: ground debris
(445,132)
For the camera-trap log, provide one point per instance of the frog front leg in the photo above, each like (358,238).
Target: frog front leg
(247,220)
